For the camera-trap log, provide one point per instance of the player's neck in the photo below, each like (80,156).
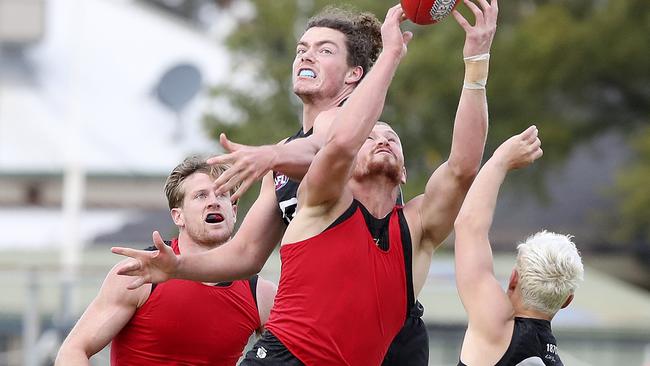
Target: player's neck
(314,106)
(377,195)
(523,312)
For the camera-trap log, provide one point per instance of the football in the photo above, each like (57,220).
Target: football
(425,12)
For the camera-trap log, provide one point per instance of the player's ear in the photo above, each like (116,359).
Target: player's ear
(568,301)
(178,217)
(514,280)
(403,179)
(354,75)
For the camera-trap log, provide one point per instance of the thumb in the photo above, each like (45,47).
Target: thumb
(227,144)
(407,37)
(158,242)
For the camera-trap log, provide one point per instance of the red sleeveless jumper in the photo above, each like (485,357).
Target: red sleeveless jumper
(188,323)
(341,299)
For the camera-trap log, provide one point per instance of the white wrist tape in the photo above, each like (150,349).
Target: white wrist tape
(476,71)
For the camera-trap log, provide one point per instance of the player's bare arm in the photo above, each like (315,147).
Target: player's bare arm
(431,215)
(103,319)
(489,310)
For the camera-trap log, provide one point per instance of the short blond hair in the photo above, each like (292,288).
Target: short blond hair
(192,164)
(550,270)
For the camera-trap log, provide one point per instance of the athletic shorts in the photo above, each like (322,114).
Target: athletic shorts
(269,351)
(411,345)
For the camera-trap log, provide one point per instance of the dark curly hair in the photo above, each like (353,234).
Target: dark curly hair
(362,33)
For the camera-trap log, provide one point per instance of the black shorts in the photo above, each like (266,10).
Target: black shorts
(410,347)
(269,351)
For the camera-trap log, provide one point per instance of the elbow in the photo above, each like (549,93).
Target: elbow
(459,223)
(69,352)
(464,223)
(255,260)
(255,266)
(464,172)
(342,146)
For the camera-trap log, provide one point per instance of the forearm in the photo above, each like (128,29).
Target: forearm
(471,123)
(353,125)
(476,214)
(229,262)
(293,158)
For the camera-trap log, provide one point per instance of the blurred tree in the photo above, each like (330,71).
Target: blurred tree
(573,67)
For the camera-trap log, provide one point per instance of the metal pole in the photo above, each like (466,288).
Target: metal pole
(31,319)
(74,175)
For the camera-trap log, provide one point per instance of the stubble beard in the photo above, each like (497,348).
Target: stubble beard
(382,168)
(204,236)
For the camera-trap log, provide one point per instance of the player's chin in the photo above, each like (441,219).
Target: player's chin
(304,87)
(385,168)
(215,233)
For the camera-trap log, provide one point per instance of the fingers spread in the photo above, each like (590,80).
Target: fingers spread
(158,241)
(227,145)
(221,159)
(460,19)
(241,190)
(484,4)
(222,183)
(130,268)
(478,14)
(127,252)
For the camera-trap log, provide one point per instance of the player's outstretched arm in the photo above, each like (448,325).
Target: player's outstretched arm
(106,315)
(487,305)
(448,185)
(239,258)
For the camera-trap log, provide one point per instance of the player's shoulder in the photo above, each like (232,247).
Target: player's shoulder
(115,287)
(326,117)
(412,209)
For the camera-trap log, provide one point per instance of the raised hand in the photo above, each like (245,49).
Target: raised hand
(148,266)
(520,150)
(478,37)
(392,37)
(247,164)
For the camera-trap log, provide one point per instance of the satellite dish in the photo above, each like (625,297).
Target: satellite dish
(178,86)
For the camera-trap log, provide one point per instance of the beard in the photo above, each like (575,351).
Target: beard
(210,238)
(381,167)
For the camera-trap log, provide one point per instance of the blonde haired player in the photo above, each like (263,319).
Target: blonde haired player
(177,322)
(512,327)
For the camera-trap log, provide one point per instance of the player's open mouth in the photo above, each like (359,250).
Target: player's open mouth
(214,218)
(307,73)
